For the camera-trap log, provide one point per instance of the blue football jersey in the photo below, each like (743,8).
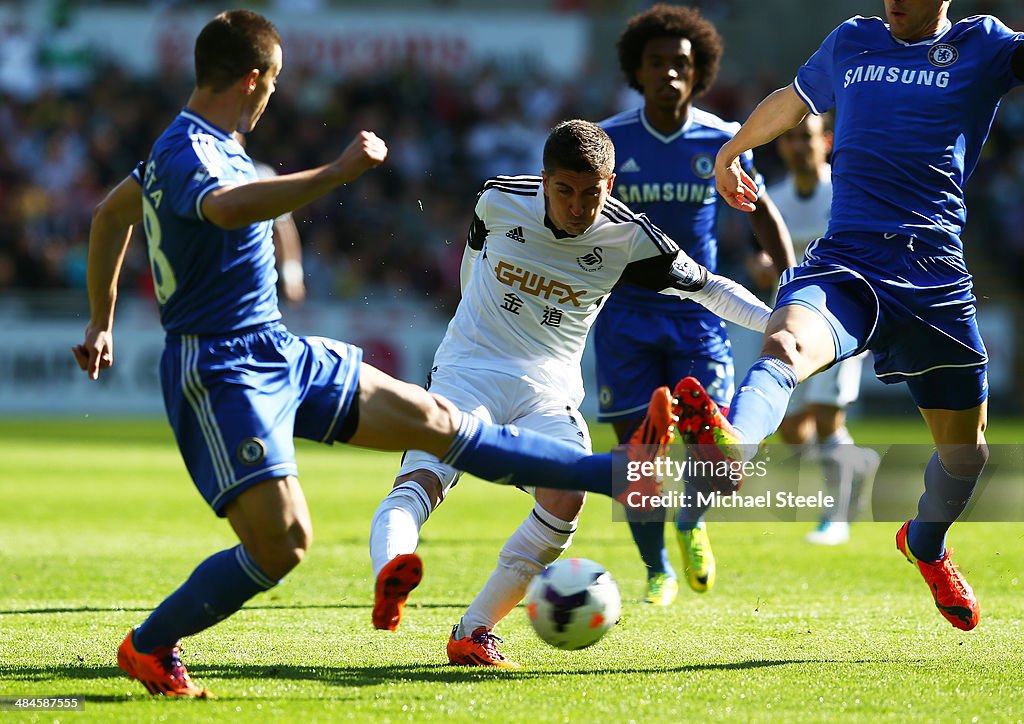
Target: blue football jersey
(671,180)
(208,280)
(911,119)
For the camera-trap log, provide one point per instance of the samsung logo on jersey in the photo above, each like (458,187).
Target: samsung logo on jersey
(651,193)
(892,74)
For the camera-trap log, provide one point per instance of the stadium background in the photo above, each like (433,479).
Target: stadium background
(459,89)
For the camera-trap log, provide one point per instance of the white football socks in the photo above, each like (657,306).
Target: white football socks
(536,543)
(395,528)
(839,459)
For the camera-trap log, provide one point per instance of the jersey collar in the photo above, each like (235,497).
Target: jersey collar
(661,136)
(925,41)
(207,126)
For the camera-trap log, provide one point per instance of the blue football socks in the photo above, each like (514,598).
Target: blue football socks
(216,589)
(510,456)
(649,536)
(945,497)
(762,399)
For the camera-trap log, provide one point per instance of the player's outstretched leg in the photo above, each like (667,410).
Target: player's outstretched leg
(395,582)
(480,648)
(953,595)
(160,671)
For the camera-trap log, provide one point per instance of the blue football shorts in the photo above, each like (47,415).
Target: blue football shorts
(915,312)
(236,403)
(639,350)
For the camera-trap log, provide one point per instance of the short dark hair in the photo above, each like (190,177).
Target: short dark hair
(579,146)
(231,45)
(672,21)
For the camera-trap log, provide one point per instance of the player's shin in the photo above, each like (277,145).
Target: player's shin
(945,497)
(761,400)
(538,542)
(508,455)
(395,528)
(216,589)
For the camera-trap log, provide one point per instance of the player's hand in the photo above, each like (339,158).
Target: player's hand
(96,352)
(733,183)
(761,269)
(366,151)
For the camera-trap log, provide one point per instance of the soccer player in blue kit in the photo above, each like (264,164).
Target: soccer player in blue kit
(914,100)
(237,386)
(642,339)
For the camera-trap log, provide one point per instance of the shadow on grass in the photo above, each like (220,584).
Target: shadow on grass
(269,607)
(358,676)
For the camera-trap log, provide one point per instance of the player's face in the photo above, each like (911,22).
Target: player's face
(257,101)
(666,72)
(913,20)
(804,148)
(574,199)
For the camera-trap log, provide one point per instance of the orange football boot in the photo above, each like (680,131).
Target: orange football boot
(953,595)
(478,649)
(396,580)
(160,671)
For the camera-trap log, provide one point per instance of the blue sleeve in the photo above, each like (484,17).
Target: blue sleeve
(813,82)
(1004,43)
(193,177)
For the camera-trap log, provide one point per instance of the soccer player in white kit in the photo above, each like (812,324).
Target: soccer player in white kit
(817,410)
(542,254)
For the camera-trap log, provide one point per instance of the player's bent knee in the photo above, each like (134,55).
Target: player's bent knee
(445,416)
(782,345)
(563,504)
(279,550)
(964,461)
(428,481)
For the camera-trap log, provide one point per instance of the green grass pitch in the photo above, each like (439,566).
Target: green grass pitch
(99,522)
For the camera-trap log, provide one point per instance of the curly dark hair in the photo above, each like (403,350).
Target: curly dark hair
(675,21)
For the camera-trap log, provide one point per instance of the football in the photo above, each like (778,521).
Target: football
(572,603)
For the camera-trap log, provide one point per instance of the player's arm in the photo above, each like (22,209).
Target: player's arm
(777,113)
(772,233)
(474,245)
(678,275)
(109,233)
(232,207)
(288,254)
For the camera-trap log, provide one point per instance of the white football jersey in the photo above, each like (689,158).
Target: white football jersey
(807,217)
(531,297)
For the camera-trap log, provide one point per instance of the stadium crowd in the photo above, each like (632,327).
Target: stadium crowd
(72,124)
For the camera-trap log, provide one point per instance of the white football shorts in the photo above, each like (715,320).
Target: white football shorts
(501,399)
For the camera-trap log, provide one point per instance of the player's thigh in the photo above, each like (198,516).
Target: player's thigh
(397,415)
(628,363)
(559,421)
(821,315)
(232,404)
